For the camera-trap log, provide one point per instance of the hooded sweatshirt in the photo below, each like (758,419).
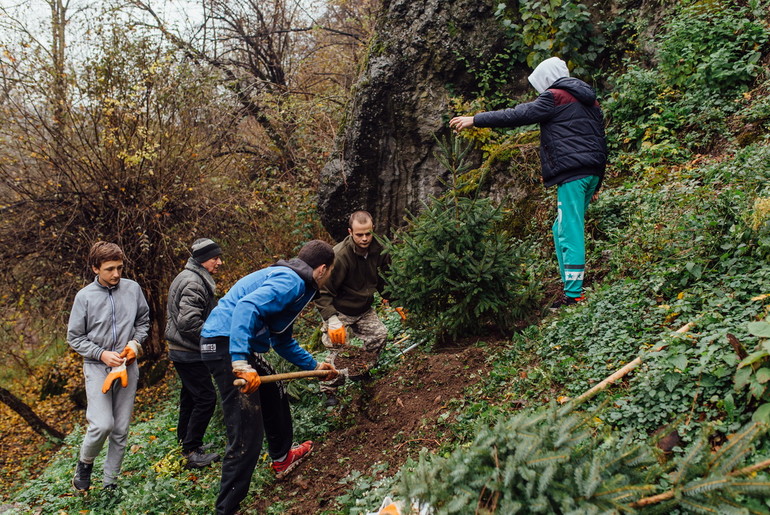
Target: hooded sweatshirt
(258,312)
(572,142)
(548,72)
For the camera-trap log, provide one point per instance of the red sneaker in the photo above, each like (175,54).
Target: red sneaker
(294,458)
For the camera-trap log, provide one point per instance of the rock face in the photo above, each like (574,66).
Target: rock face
(384,161)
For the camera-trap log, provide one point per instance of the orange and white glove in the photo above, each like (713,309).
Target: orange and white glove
(131,351)
(333,372)
(118,372)
(242,370)
(336,330)
(401,312)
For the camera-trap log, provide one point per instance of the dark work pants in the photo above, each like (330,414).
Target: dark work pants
(248,419)
(197,401)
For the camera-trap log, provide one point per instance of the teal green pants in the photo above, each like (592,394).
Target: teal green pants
(568,231)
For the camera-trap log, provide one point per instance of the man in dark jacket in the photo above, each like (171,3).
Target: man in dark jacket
(190,300)
(573,156)
(255,316)
(345,302)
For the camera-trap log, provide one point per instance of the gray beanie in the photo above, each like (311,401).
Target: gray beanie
(204,249)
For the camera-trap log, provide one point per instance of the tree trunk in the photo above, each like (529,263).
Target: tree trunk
(29,416)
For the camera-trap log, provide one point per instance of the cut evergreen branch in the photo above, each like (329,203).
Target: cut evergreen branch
(555,461)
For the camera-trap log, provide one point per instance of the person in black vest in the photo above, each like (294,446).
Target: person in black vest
(573,156)
(191,298)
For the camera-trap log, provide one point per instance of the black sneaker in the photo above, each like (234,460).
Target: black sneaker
(198,459)
(82,479)
(566,300)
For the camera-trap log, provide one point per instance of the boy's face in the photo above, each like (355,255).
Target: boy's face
(109,273)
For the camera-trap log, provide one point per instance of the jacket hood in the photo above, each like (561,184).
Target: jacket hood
(577,88)
(547,72)
(301,268)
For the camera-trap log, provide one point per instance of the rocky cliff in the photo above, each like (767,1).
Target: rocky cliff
(384,161)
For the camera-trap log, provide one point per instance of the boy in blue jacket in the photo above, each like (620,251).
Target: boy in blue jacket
(257,314)
(573,156)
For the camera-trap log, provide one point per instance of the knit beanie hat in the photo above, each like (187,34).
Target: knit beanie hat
(204,249)
(316,253)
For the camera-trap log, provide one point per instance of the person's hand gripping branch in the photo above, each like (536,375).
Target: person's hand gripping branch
(242,370)
(131,351)
(336,330)
(459,123)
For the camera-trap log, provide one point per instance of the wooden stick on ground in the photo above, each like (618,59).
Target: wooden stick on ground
(621,372)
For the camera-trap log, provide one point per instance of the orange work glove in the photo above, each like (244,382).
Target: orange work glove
(118,372)
(336,331)
(242,370)
(131,351)
(401,312)
(333,372)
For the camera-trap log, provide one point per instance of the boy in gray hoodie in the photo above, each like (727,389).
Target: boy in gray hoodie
(108,323)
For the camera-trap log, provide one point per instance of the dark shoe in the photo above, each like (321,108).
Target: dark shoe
(205,447)
(82,479)
(296,455)
(111,487)
(331,400)
(198,459)
(566,300)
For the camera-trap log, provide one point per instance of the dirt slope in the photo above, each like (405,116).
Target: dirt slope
(393,419)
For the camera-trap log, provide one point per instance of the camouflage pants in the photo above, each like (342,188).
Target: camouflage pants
(368,328)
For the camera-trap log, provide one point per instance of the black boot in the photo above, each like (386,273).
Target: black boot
(82,479)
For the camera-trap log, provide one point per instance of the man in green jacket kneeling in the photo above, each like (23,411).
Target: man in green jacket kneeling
(345,301)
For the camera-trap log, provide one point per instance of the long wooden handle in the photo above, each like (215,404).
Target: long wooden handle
(286,376)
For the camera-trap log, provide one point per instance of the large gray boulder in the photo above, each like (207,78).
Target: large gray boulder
(384,161)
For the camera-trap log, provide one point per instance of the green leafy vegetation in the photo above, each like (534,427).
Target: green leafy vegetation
(754,373)
(709,54)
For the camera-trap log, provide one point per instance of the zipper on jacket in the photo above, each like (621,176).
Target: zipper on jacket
(114,322)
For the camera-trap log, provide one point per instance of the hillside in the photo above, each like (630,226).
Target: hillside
(678,260)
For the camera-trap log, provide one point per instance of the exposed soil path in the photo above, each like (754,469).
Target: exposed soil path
(392,419)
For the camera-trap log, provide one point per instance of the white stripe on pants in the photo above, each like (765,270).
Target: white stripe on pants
(108,415)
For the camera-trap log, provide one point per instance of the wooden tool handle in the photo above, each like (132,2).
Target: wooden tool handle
(284,377)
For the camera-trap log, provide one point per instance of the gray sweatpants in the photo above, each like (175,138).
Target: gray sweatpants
(108,415)
(369,328)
